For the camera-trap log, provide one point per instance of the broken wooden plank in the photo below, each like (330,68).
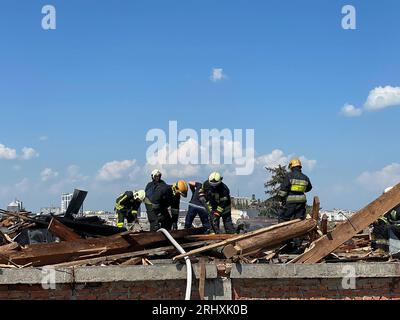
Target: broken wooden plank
(126,255)
(211,237)
(315,215)
(6,237)
(315,208)
(61,231)
(234,239)
(324,224)
(132,261)
(53,253)
(202,279)
(356,223)
(270,239)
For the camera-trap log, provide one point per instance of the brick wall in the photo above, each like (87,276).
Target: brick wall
(366,289)
(242,289)
(141,290)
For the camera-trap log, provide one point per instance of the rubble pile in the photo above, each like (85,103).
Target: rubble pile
(67,241)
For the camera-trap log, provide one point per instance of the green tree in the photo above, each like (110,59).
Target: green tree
(272,186)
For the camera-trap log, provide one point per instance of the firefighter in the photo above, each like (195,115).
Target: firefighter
(164,197)
(292,193)
(151,187)
(385,228)
(215,196)
(294,201)
(196,208)
(127,206)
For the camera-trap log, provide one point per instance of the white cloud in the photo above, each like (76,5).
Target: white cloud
(217,74)
(74,175)
(349,110)
(277,157)
(308,164)
(29,153)
(378,99)
(381,179)
(115,170)
(7,153)
(383,97)
(48,174)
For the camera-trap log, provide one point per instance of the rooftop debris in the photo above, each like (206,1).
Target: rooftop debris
(68,241)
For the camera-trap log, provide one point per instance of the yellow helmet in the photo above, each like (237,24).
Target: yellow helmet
(295,163)
(215,179)
(181,187)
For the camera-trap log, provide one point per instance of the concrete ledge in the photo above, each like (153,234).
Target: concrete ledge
(315,271)
(104,274)
(178,272)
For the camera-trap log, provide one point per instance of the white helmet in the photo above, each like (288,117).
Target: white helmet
(215,179)
(156,173)
(387,190)
(139,195)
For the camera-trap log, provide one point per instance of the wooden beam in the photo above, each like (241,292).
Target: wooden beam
(356,223)
(315,209)
(315,215)
(269,239)
(127,255)
(62,231)
(211,237)
(202,279)
(234,239)
(53,253)
(324,224)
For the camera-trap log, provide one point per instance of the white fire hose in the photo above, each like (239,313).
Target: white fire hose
(187,260)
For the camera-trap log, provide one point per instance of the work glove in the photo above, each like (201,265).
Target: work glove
(216,214)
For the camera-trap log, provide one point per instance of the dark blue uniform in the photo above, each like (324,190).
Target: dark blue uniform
(158,201)
(193,211)
(292,192)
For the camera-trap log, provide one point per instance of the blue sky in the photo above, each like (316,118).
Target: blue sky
(86,94)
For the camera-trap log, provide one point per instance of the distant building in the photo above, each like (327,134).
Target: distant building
(337,214)
(50,210)
(15,206)
(65,201)
(245,202)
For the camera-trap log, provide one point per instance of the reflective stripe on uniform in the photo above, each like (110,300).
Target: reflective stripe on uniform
(384,220)
(382,241)
(282,193)
(296,198)
(298,185)
(220,209)
(121,198)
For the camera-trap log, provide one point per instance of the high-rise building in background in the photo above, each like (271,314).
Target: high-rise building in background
(65,200)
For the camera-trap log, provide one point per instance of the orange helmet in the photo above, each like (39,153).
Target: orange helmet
(181,187)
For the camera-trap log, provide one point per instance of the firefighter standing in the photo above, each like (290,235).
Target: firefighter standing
(294,201)
(196,208)
(166,196)
(215,195)
(127,206)
(292,193)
